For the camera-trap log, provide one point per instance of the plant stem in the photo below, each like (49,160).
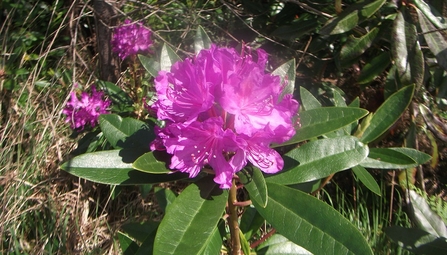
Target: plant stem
(233,220)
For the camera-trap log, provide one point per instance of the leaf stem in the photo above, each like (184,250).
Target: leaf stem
(233,220)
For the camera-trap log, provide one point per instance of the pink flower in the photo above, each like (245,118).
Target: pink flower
(130,39)
(222,110)
(85,111)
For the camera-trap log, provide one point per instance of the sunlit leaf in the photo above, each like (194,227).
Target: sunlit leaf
(388,113)
(254,182)
(367,179)
(425,217)
(279,245)
(167,58)
(150,64)
(308,101)
(320,158)
(287,73)
(191,219)
(320,121)
(150,164)
(355,47)
(201,40)
(111,167)
(311,223)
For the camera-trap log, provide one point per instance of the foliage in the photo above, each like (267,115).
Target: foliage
(371,80)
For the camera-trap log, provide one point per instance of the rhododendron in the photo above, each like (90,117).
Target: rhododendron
(222,110)
(130,39)
(85,111)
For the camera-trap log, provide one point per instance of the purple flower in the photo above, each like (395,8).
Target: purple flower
(85,111)
(130,39)
(222,110)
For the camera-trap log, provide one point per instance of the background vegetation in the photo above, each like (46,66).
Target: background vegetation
(47,46)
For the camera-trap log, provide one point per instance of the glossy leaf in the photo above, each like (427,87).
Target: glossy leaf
(311,223)
(406,52)
(320,158)
(418,156)
(435,40)
(287,73)
(125,132)
(111,167)
(351,16)
(374,68)
(191,219)
(355,47)
(150,64)
(308,101)
(279,245)
(201,40)
(386,158)
(150,164)
(121,101)
(320,121)
(167,58)
(298,27)
(425,217)
(367,179)
(254,183)
(432,15)
(387,114)
(417,240)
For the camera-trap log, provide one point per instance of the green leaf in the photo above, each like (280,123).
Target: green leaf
(287,72)
(311,223)
(140,231)
(388,113)
(125,133)
(418,156)
(374,68)
(387,158)
(367,179)
(150,64)
(351,16)
(302,26)
(191,219)
(167,58)
(355,47)
(201,40)
(165,197)
(254,182)
(148,163)
(214,242)
(279,245)
(245,246)
(121,101)
(308,101)
(417,240)
(251,221)
(111,167)
(128,246)
(435,40)
(406,52)
(320,158)
(425,217)
(320,121)
(434,16)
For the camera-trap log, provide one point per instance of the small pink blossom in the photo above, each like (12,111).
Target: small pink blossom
(130,39)
(221,111)
(85,111)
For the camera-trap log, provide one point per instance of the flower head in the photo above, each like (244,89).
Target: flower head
(222,110)
(130,39)
(85,111)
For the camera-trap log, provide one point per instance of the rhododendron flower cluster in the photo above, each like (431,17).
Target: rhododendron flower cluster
(130,39)
(85,111)
(222,110)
